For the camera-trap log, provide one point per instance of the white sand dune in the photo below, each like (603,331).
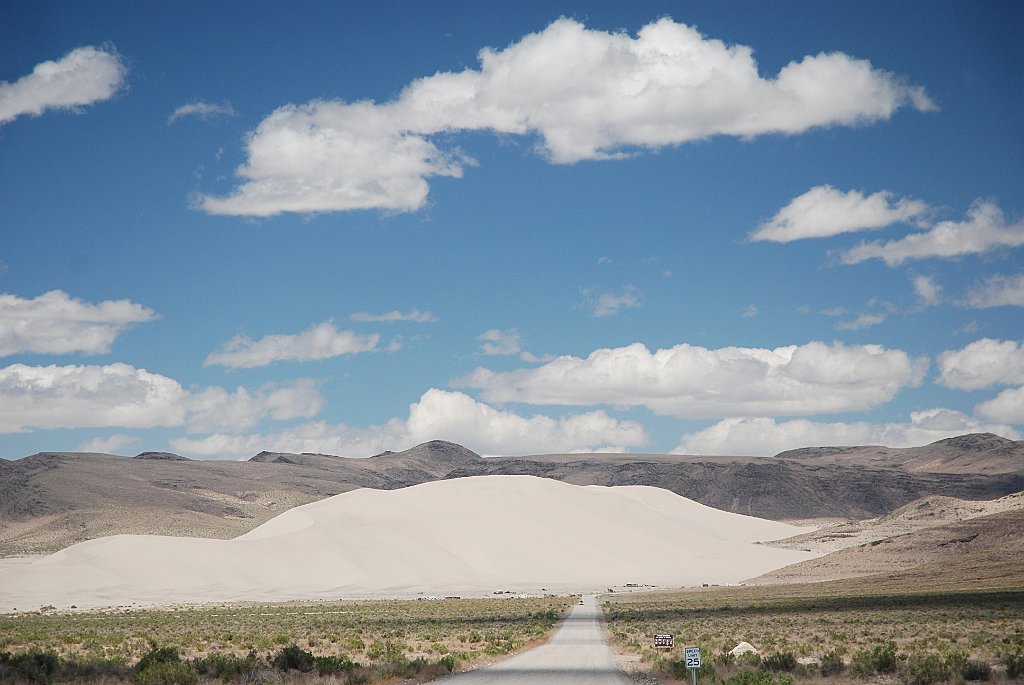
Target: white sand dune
(464,536)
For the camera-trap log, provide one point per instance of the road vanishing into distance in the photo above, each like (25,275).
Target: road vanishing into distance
(576,653)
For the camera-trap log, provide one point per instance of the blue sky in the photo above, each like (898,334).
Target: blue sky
(711,228)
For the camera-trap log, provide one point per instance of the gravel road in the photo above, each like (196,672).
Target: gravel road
(576,653)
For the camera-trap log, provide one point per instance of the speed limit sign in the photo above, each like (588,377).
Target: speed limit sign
(692,655)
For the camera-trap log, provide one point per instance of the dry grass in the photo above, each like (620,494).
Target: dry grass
(471,629)
(809,621)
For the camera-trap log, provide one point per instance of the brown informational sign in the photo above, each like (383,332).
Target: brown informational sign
(664,641)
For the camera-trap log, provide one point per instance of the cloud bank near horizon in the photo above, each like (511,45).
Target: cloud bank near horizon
(692,382)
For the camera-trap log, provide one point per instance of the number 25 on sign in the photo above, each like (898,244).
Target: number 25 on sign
(692,655)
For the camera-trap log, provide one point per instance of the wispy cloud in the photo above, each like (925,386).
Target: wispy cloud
(997,291)
(864,320)
(84,76)
(498,343)
(414,315)
(609,304)
(614,95)
(322,341)
(111,444)
(56,323)
(927,290)
(202,110)
(984,230)
(824,211)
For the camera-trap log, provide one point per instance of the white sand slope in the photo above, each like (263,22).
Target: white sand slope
(464,536)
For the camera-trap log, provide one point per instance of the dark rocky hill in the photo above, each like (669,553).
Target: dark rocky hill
(976,453)
(779,489)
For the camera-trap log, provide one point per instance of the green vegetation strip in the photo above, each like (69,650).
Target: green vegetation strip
(810,632)
(353,641)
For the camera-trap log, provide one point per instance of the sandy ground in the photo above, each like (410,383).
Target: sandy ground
(469,536)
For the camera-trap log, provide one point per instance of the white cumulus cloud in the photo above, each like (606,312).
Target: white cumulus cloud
(322,341)
(982,364)
(688,381)
(997,291)
(438,414)
(56,323)
(586,94)
(122,396)
(762,436)
(1006,407)
(117,395)
(82,77)
(825,211)
(984,230)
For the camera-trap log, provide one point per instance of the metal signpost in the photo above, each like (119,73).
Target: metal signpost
(692,655)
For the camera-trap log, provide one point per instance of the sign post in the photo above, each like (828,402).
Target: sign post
(692,655)
(663,641)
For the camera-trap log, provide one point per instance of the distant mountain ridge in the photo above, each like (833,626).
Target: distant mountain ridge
(51,500)
(983,453)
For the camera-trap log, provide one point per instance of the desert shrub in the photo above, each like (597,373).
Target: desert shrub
(358,676)
(759,677)
(260,676)
(390,651)
(974,669)
(752,659)
(34,666)
(924,669)
(678,670)
(447,662)
(403,667)
(780,662)
(227,667)
(877,659)
(333,665)
(1014,665)
(166,673)
(707,673)
(217,665)
(293,658)
(158,655)
(832,665)
(96,669)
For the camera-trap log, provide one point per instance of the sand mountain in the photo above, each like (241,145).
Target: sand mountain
(52,500)
(460,536)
